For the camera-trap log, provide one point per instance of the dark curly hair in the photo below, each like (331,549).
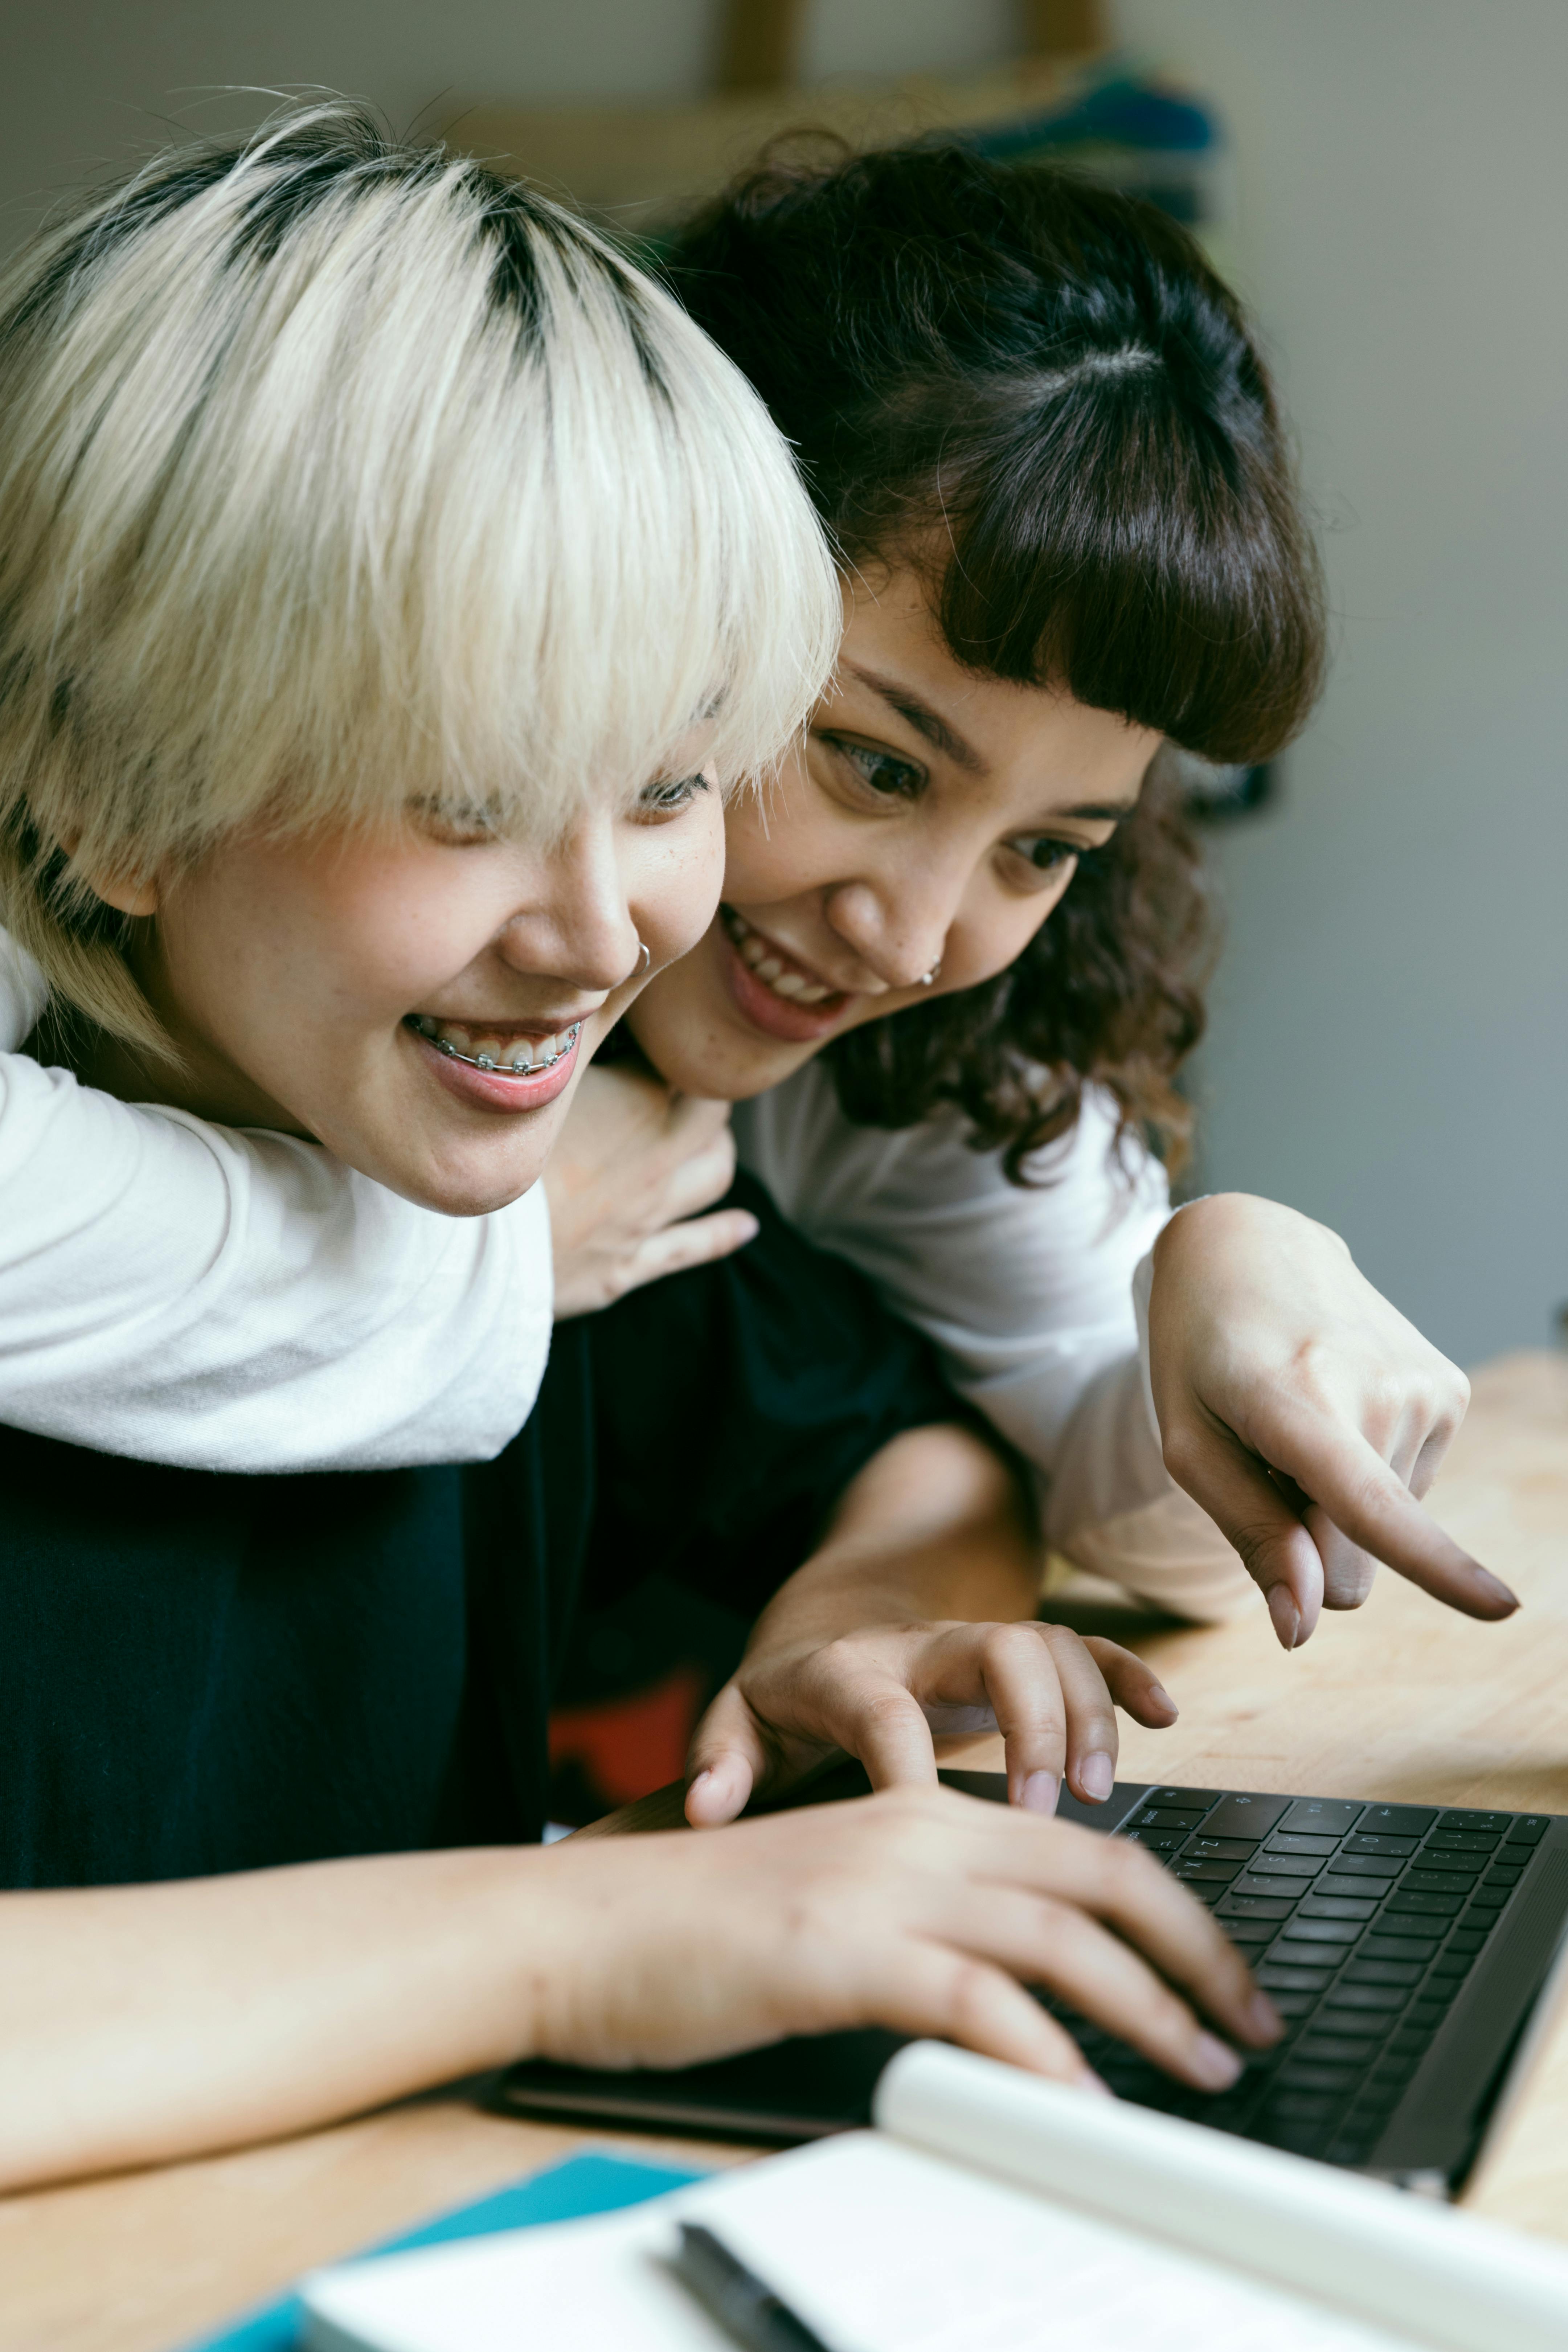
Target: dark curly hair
(1044,380)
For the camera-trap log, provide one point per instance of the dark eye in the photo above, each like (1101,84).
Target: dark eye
(675,792)
(890,778)
(1045,852)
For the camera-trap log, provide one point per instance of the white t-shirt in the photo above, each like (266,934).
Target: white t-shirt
(1035,1297)
(224,1299)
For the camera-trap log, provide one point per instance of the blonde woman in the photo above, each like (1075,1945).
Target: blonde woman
(389,577)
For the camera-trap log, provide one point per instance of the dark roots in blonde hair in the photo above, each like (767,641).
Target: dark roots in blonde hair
(1045,381)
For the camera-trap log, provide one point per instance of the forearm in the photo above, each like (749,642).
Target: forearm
(935,1527)
(142,2024)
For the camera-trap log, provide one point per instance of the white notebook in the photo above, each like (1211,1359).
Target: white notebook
(989,2212)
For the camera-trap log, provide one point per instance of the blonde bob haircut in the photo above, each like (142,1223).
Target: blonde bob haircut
(334,473)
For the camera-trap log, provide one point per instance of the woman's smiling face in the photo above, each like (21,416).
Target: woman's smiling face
(930,825)
(310,984)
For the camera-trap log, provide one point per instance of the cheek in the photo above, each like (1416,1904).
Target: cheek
(674,892)
(987,940)
(780,841)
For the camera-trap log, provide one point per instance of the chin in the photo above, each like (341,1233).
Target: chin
(462,1193)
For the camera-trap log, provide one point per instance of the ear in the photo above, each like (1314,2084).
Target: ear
(126,897)
(116,890)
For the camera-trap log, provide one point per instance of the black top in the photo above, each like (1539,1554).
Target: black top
(204,1672)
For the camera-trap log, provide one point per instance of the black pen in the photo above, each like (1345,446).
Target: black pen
(739,2301)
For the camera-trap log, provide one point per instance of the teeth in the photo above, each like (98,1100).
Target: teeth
(752,950)
(519,1059)
(769,969)
(789,983)
(813,993)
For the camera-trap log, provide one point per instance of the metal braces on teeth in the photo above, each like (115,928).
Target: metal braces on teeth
(486,1062)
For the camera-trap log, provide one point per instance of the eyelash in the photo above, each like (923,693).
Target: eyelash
(864,763)
(671,797)
(1045,853)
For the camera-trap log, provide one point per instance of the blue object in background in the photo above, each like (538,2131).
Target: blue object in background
(583,2184)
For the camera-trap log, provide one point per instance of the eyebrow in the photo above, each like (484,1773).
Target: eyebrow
(921,717)
(946,738)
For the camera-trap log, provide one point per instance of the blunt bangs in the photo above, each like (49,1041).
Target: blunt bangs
(1037,391)
(1147,566)
(333,474)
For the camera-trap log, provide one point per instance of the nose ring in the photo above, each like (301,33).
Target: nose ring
(927,977)
(644,961)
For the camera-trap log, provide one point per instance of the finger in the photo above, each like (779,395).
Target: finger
(1127,1889)
(1229,1481)
(1371,1504)
(700,1180)
(1055,1944)
(928,1989)
(699,1242)
(1090,1719)
(1134,1687)
(877,1719)
(726,1760)
(1014,1670)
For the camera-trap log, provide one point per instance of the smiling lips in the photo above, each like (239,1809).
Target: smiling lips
(516,1057)
(776,994)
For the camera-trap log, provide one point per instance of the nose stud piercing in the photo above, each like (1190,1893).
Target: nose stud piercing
(645,958)
(927,977)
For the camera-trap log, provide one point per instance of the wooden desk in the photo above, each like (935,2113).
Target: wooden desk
(1401,1700)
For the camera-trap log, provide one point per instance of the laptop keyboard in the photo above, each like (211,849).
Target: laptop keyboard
(1360,1921)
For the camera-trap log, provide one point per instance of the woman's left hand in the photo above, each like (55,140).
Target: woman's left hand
(1303,1413)
(880,1692)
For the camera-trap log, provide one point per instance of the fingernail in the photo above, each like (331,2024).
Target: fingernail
(1286,1615)
(1039,1793)
(1495,1589)
(1162,1697)
(1264,2019)
(1096,1775)
(706,1774)
(1214,2066)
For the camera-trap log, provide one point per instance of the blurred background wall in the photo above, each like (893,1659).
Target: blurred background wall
(1388,1049)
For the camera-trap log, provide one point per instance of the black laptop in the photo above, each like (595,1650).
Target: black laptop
(1408,1947)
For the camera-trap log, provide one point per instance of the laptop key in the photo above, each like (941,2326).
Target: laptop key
(1464,1841)
(1200,1866)
(1318,1905)
(1306,1929)
(1398,1821)
(1398,1947)
(1219,1849)
(1500,1822)
(1528,1829)
(1319,1816)
(1237,1906)
(1257,1882)
(1388,1972)
(1331,2049)
(1288,1980)
(1360,1996)
(1298,2075)
(1165,1817)
(1245,1816)
(1431,1906)
(1440,1882)
(1284,1842)
(1366,1865)
(1398,1846)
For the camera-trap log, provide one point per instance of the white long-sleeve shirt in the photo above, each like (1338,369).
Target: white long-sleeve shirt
(1037,1299)
(221,1299)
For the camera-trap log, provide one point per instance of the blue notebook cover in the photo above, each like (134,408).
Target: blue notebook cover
(583,2184)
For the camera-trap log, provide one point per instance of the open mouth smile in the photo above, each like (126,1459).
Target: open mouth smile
(773,992)
(510,1057)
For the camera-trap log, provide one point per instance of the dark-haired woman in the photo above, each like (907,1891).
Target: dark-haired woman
(1048,451)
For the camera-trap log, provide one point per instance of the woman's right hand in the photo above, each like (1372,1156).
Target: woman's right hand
(916,1909)
(634,1164)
